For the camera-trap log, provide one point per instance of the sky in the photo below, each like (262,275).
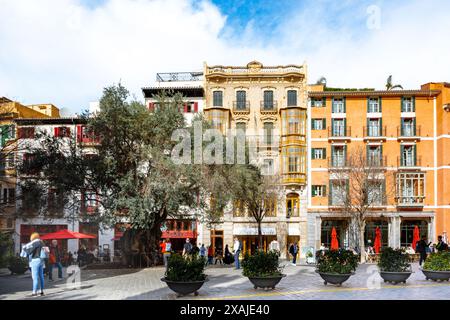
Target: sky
(66,51)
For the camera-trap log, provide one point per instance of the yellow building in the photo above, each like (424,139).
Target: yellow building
(269,104)
(407,133)
(10,110)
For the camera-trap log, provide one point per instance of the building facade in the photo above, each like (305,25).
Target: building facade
(406,132)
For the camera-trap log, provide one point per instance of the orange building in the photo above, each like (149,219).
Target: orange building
(408,133)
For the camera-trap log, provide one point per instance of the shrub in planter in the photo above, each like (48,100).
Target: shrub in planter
(263,269)
(336,266)
(437,266)
(17,265)
(185,275)
(394,265)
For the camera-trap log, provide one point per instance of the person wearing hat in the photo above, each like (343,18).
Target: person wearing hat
(36,252)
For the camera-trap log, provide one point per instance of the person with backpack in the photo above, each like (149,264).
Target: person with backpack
(237,247)
(54,260)
(36,252)
(187,248)
(441,245)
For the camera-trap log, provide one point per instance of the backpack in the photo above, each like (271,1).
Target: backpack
(44,253)
(168,247)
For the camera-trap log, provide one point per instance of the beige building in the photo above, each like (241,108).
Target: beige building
(269,103)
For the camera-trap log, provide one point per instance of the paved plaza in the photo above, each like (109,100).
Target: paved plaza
(226,283)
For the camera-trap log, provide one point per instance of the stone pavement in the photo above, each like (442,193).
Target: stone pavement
(226,283)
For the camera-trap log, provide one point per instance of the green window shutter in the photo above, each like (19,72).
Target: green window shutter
(324,102)
(368,104)
(332,105)
(345,155)
(381,156)
(313,153)
(2,135)
(330,202)
(332,155)
(414,104)
(367,127)
(415,155)
(345,124)
(367,154)
(379,101)
(414,126)
(324,153)
(347,189)
(313,191)
(312,124)
(383,192)
(324,123)
(345,104)
(324,191)
(381,128)
(402,104)
(402,148)
(402,123)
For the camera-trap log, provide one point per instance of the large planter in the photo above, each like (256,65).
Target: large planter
(17,265)
(436,275)
(395,277)
(334,278)
(184,288)
(266,282)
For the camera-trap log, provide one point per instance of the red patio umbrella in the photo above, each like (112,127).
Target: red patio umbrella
(377,244)
(334,240)
(416,237)
(66,234)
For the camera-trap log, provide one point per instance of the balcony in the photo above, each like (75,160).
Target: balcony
(408,132)
(374,133)
(294,178)
(337,162)
(267,107)
(241,107)
(339,133)
(410,201)
(409,163)
(377,162)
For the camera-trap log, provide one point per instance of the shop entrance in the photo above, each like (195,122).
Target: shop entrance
(291,240)
(250,243)
(217,241)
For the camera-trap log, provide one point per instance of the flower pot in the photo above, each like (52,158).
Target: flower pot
(183,288)
(436,275)
(334,278)
(395,277)
(266,282)
(18,265)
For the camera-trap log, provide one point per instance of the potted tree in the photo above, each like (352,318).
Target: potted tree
(185,275)
(263,269)
(394,265)
(336,266)
(437,266)
(17,265)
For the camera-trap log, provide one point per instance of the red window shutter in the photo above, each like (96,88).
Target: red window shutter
(151,106)
(67,132)
(31,133)
(56,131)
(79,133)
(185,108)
(20,133)
(195,106)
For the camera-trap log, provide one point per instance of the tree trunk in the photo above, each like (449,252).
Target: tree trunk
(260,237)
(362,247)
(140,248)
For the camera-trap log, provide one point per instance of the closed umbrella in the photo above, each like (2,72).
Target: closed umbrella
(416,237)
(377,244)
(66,234)
(334,240)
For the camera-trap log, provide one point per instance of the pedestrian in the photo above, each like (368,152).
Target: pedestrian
(187,248)
(228,259)
(203,251)
(237,247)
(54,260)
(210,255)
(70,259)
(441,245)
(294,253)
(167,251)
(219,255)
(422,249)
(36,252)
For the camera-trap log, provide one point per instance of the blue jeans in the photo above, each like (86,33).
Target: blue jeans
(37,273)
(50,270)
(236,259)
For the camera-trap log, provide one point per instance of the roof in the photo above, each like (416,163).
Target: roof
(365,93)
(4,100)
(40,121)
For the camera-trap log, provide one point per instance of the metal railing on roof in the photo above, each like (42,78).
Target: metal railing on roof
(178,76)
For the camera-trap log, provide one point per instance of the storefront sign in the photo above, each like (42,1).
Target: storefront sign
(294,230)
(179,234)
(253,231)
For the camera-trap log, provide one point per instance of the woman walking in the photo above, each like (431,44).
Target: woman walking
(36,252)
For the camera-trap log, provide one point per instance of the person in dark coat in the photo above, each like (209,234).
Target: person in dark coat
(228,256)
(441,245)
(422,249)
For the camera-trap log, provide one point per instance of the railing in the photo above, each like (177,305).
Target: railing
(241,106)
(408,131)
(374,132)
(339,132)
(410,201)
(377,161)
(294,177)
(264,69)
(409,162)
(337,162)
(269,106)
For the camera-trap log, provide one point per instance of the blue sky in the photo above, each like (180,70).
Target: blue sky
(66,51)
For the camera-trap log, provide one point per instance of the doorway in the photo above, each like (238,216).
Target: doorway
(291,240)
(217,241)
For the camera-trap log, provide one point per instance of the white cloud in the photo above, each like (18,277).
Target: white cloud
(62,52)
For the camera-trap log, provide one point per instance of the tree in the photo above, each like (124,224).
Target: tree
(358,188)
(258,193)
(390,86)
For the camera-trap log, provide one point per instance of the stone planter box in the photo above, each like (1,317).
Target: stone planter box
(395,277)
(184,288)
(266,282)
(334,278)
(437,275)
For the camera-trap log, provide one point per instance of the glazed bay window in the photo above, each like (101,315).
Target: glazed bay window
(374,127)
(338,156)
(217,98)
(293,121)
(292,205)
(374,155)
(408,156)
(318,153)
(373,105)
(318,124)
(408,104)
(338,105)
(410,188)
(294,164)
(338,127)
(338,192)
(408,127)
(268,100)
(292,98)
(271,207)
(241,100)
(219,119)
(318,191)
